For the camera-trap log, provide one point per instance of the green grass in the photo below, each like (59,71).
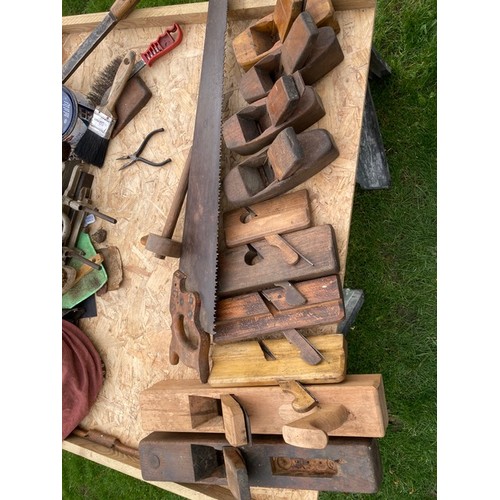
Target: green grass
(392,258)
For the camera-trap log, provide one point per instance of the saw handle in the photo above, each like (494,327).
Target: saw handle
(122,8)
(189,343)
(167,41)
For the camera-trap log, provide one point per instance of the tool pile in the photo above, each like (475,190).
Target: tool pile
(90,122)
(257,300)
(273,406)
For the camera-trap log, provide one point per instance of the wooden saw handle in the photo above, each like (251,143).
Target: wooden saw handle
(190,343)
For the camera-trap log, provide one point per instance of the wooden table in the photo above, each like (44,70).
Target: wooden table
(132,327)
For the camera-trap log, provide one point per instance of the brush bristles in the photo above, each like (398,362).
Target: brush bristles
(92,148)
(103,82)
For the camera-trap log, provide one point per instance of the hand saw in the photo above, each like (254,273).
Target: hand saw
(192,301)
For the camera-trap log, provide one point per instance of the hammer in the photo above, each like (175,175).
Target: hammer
(164,246)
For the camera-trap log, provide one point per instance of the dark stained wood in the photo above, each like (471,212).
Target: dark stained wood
(259,265)
(250,129)
(257,178)
(326,54)
(236,473)
(299,43)
(256,315)
(373,171)
(308,352)
(283,99)
(348,465)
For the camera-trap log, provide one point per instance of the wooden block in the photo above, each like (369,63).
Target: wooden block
(325,55)
(260,78)
(254,43)
(244,363)
(283,214)
(234,420)
(299,43)
(236,473)
(285,154)
(285,13)
(282,100)
(165,405)
(312,431)
(256,315)
(253,180)
(323,13)
(259,265)
(134,97)
(349,465)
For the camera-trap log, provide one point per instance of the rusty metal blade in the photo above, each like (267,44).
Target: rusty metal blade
(118,11)
(198,260)
(88,45)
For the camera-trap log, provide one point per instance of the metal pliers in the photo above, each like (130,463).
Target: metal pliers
(135,156)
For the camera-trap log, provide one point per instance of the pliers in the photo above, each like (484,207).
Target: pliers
(135,156)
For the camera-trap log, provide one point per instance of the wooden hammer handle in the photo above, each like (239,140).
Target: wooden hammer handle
(175,208)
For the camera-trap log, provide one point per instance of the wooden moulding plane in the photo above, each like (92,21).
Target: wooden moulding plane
(298,256)
(355,407)
(349,465)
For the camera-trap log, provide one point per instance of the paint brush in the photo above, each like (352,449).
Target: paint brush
(93,145)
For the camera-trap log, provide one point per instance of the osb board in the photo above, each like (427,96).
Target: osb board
(132,328)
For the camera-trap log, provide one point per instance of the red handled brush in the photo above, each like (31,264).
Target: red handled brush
(93,145)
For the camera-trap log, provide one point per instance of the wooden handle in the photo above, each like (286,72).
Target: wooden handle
(119,82)
(290,256)
(122,8)
(175,208)
(303,400)
(312,430)
(189,343)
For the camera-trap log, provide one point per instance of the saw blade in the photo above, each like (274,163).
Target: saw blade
(198,259)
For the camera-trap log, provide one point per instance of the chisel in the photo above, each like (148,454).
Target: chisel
(118,11)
